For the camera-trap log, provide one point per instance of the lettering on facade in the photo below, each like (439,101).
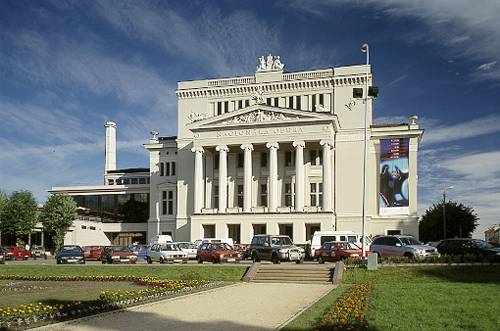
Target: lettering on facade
(259,132)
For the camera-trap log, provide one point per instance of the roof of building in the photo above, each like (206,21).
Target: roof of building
(167,138)
(386,125)
(128,170)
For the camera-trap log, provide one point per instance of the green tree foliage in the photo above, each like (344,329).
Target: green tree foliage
(461,221)
(18,213)
(58,214)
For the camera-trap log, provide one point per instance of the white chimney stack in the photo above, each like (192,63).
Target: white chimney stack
(110,148)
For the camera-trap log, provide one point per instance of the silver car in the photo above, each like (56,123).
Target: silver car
(401,246)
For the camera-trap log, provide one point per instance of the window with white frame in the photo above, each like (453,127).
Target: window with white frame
(240,196)
(216,197)
(316,194)
(167,169)
(263,195)
(289,195)
(167,202)
(289,158)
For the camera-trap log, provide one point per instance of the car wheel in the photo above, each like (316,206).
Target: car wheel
(162,260)
(255,257)
(103,261)
(148,259)
(300,261)
(199,259)
(320,260)
(58,262)
(409,255)
(275,259)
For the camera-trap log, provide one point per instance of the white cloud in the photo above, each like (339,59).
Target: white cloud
(487,66)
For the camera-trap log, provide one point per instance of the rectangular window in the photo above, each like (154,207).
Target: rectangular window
(289,159)
(216,161)
(263,195)
(313,97)
(241,160)
(164,203)
(290,102)
(268,101)
(173,168)
(316,194)
(226,106)
(219,108)
(247,103)
(167,169)
(298,106)
(240,104)
(289,195)
(263,160)
(208,230)
(162,169)
(119,182)
(126,181)
(142,180)
(216,196)
(170,201)
(276,102)
(322,99)
(312,155)
(133,181)
(240,196)
(84,227)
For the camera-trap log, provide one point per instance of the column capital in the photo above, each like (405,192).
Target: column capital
(197,149)
(299,144)
(326,142)
(222,148)
(272,145)
(247,147)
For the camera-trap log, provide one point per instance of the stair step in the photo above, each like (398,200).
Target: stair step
(290,281)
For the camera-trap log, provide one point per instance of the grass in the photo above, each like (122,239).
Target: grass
(229,273)
(432,298)
(420,298)
(312,316)
(56,292)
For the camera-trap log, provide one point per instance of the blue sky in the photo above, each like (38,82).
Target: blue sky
(68,66)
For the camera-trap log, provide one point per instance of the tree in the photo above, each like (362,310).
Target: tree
(19,214)
(461,221)
(57,215)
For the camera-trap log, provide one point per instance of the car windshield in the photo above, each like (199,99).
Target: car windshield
(169,247)
(120,249)
(71,249)
(280,241)
(220,247)
(483,244)
(409,241)
(187,246)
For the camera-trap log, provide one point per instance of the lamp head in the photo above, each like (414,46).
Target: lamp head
(364,48)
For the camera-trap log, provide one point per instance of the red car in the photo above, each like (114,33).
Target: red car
(118,254)
(16,252)
(92,252)
(335,251)
(216,253)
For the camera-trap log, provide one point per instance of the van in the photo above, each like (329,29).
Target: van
(161,239)
(321,237)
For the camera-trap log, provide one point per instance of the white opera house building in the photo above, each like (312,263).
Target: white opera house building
(276,152)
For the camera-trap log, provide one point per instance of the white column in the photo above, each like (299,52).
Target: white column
(273,175)
(222,149)
(327,174)
(299,174)
(198,178)
(247,177)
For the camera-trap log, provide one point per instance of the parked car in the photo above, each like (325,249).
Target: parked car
(38,251)
(275,248)
(18,252)
(189,248)
(2,257)
(217,252)
(321,237)
(400,245)
(466,246)
(335,251)
(166,253)
(70,254)
(92,252)
(7,252)
(142,254)
(433,243)
(118,254)
(228,241)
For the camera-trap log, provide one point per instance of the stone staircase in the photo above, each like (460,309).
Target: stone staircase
(290,273)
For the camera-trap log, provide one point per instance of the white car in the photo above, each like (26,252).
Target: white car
(166,253)
(189,248)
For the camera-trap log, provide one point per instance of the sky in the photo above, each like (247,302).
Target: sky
(66,67)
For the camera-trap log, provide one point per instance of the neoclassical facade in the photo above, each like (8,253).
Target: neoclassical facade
(276,152)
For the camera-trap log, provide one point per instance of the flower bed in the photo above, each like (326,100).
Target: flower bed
(25,315)
(348,311)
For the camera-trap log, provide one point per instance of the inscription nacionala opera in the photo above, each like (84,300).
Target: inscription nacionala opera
(260,131)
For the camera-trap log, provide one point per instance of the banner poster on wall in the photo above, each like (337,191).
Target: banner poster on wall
(394,168)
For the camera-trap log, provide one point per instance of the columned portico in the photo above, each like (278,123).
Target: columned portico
(247,177)
(223,150)
(273,175)
(299,174)
(198,178)
(327,174)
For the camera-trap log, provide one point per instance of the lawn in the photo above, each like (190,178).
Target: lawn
(228,273)
(421,298)
(14,293)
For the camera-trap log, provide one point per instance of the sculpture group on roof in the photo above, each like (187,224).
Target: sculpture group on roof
(272,63)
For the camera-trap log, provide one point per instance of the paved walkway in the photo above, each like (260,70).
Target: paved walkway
(241,307)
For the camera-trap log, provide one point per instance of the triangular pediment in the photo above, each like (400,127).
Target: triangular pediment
(259,115)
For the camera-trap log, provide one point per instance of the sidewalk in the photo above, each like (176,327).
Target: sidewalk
(241,307)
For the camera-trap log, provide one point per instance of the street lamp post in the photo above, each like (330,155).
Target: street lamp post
(365,49)
(444,210)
